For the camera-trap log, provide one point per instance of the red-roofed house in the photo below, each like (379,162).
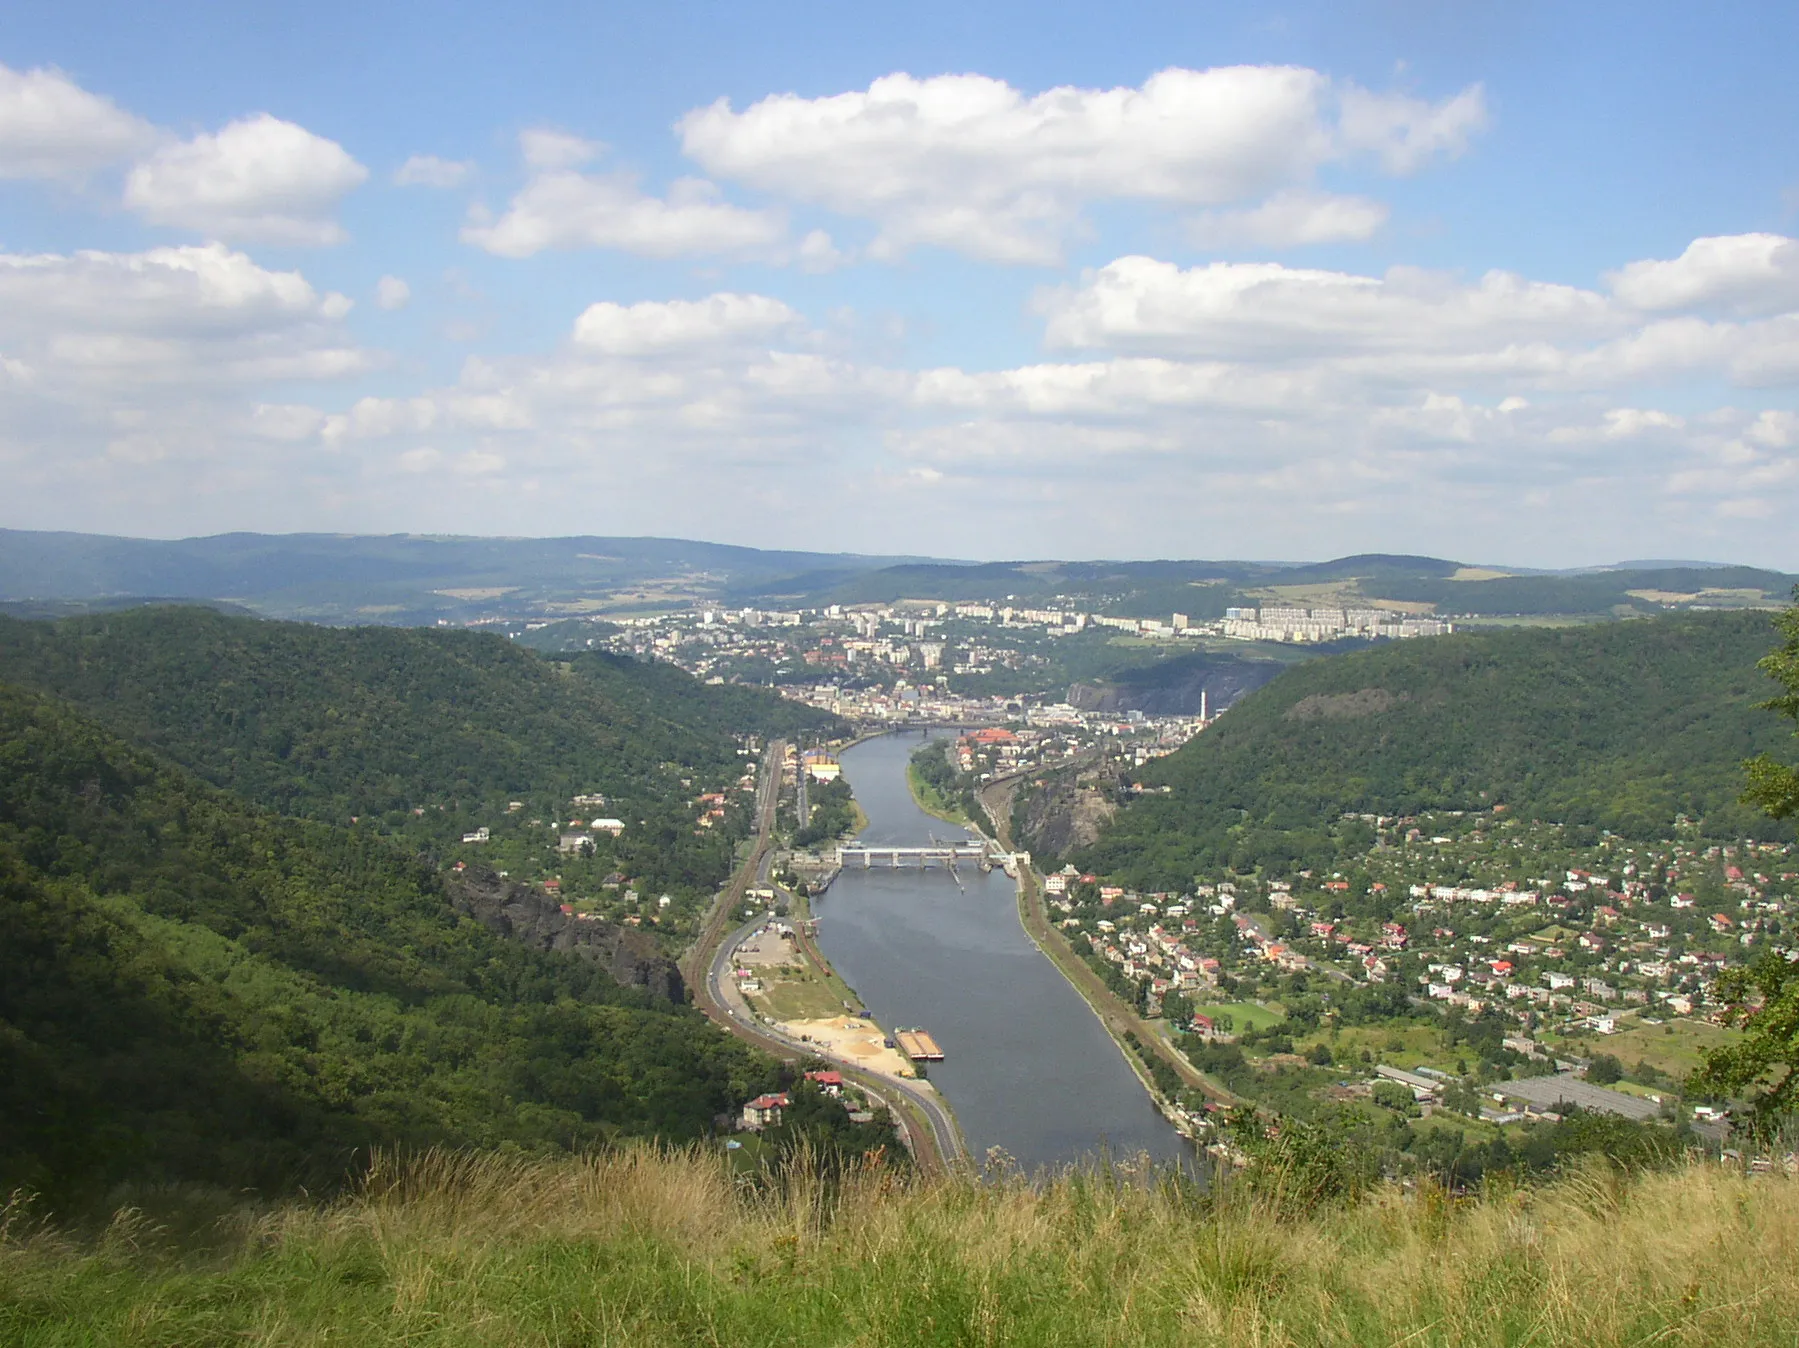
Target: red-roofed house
(765,1111)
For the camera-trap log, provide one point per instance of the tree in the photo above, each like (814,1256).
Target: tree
(1774,786)
(1764,997)
(1604,1070)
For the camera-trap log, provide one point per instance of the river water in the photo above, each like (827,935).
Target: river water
(1027,1066)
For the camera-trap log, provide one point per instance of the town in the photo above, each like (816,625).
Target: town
(1493,967)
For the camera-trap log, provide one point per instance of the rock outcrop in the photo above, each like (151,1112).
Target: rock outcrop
(1062,815)
(1173,687)
(527,915)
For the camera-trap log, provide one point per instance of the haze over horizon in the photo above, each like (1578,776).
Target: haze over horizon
(1049,282)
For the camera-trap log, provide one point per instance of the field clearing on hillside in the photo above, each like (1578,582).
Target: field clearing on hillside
(1673,1047)
(1399,1043)
(636,1246)
(1244,1015)
(1318,594)
(1531,620)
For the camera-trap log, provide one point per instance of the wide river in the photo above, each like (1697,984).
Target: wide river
(1027,1065)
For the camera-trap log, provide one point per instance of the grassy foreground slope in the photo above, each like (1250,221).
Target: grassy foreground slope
(194,989)
(634,1248)
(1625,727)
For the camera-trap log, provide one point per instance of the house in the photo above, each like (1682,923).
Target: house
(1055,884)
(831,1083)
(480,835)
(612,826)
(765,1111)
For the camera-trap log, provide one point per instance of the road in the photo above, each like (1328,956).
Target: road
(755,867)
(706,970)
(945,1141)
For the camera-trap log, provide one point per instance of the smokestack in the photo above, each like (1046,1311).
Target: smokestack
(1202,706)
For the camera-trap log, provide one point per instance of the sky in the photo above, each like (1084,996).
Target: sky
(1516,285)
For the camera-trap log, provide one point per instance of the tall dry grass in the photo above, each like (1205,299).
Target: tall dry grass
(648,1247)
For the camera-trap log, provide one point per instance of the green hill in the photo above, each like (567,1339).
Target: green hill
(191,988)
(376,723)
(1621,726)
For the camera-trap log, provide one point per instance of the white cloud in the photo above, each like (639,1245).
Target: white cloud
(664,326)
(285,421)
(1291,218)
(50,127)
(1262,311)
(1619,423)
(478,463)
(543,148)
(257,178)
(1742,274)
(392,293)
(818,253)
(969,163)
(149,376)
(1408,132)
(1255,408)
(376,418)
(561,208)
(189,295)
(427,170)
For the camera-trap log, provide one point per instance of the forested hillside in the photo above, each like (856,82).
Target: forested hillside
(191,988)
(375,723)
(1626,727)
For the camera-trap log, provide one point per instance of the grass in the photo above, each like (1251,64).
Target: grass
(932,801)
(805,998)
(1677,1053)
(1396,1043)
(643,1247)
(1244,1015)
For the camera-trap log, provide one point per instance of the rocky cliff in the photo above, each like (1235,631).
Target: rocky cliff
(1173,687)
(1063,814)
(522,913)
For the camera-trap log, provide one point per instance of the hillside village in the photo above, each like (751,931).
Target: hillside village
(1538,952)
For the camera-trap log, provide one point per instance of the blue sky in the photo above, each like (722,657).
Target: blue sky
(1513,286)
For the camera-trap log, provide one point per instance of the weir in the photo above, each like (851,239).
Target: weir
(868,855)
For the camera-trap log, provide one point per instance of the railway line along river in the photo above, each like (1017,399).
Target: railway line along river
(1028,1067)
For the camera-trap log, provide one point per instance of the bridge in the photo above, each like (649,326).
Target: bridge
(867,855)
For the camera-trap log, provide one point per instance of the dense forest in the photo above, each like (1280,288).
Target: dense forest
(192,988)
(375,723)
(1630,727)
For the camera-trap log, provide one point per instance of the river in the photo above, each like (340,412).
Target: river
(1028,1067)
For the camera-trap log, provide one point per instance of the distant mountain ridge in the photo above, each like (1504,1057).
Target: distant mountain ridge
(421,580)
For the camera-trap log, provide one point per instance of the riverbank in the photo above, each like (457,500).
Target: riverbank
(929,1129)
(1027,1069)
(929,799)
(1119,1017)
